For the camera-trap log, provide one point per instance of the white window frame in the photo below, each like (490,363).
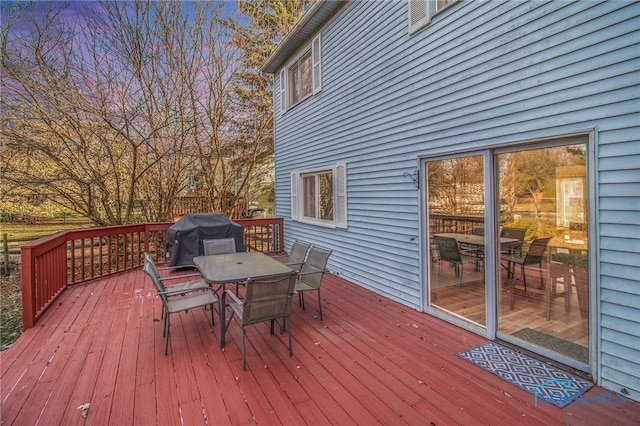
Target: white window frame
(339,191)
(315,50)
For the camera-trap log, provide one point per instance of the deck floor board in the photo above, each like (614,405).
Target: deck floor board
(371,360)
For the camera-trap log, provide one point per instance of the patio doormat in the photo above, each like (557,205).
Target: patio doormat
(556,344)
(542,380)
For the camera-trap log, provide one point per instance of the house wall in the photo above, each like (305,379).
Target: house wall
(482,74)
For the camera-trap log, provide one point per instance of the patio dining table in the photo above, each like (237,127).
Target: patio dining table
(236,268)
(477,240)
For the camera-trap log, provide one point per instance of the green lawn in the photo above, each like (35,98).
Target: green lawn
(21,233)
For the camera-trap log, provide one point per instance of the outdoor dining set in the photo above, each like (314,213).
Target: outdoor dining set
(261,287)
(528,267)
(460,249)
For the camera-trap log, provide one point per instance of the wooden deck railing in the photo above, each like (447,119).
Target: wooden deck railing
(50,264)
(457,224)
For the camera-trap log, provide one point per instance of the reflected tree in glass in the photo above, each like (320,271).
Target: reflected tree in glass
(456,185)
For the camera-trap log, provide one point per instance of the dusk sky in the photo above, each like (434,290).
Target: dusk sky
(76,10)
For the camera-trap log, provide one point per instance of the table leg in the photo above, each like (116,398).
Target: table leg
(222,316)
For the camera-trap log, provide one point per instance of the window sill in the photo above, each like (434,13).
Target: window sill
(324,224)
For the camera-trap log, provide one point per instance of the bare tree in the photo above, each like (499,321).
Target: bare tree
(456,185)
(109,113)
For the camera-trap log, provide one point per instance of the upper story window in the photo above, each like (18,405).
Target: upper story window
(319,196)
(421,12)
(302,77)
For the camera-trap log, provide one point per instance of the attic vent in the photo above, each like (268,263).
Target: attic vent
(419,15)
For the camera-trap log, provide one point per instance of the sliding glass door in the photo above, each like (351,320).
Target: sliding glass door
(507,237)
(455,203)
(543,288)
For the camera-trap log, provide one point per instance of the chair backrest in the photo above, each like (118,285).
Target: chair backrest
(435,255)
(536,251)
(517,233)
(219,246)
(267,298)
(150,266)
(150,269)
(447,248)
(297,255)
(315,266)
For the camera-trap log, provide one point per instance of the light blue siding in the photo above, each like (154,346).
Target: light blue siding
(482,74)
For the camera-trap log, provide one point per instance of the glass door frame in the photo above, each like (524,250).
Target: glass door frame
(491,218)
(489,329)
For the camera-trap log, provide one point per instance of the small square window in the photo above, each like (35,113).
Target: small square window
(321,198)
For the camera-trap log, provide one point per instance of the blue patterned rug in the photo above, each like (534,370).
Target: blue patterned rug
(546,383)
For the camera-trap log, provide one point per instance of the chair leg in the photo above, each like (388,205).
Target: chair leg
(164,325)
(320,304)
(549,292)
(166,341)
(244,358)
(225,326)
(290,347)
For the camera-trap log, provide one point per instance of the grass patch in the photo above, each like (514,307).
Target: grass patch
(21,233)
(10,310)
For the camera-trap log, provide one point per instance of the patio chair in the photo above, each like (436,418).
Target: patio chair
(310,277)
(477,230)
(550,280)
(180,288)
(265,299)
(193,298)
(449,251)
(515,233)
(533,256)
(297,255)
(477,251)
(219,246)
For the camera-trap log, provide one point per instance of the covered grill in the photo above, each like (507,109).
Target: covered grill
(184,238)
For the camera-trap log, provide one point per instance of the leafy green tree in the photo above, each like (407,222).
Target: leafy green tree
(261,26)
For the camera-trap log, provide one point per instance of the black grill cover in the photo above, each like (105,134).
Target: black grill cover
(184,238)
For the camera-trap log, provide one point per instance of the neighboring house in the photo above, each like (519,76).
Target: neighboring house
(398,120)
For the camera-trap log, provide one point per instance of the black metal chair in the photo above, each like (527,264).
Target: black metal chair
(515,233)
(478,230)
(449,251)
(533,256)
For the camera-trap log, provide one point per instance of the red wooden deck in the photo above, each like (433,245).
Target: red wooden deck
(371,361)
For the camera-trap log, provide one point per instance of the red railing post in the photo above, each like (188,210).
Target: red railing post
(28,277)
(280,222)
